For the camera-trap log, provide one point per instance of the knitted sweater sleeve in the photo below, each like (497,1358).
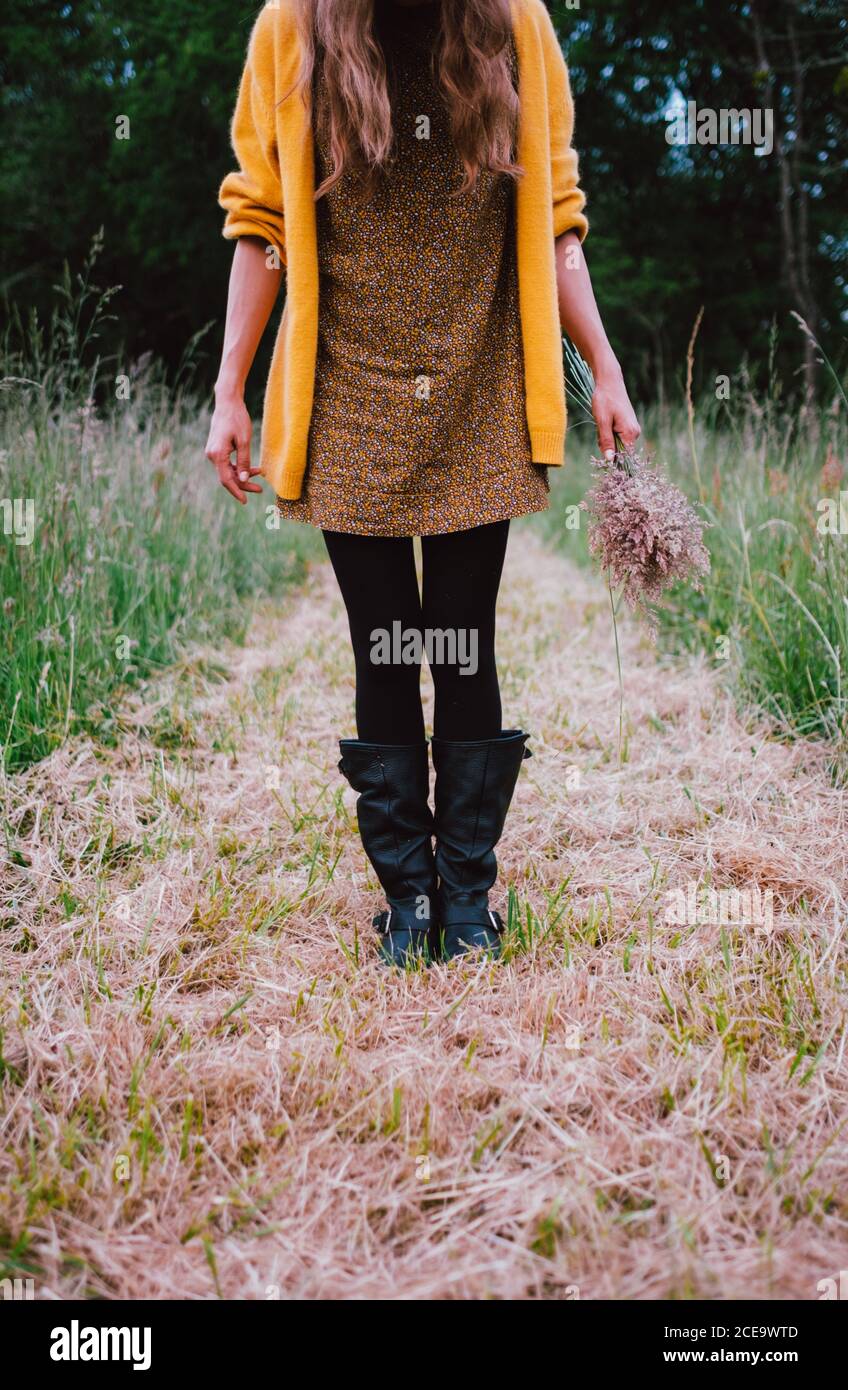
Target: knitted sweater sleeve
(568,197)
(252,195)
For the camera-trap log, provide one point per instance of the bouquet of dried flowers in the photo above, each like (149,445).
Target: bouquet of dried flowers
(643,531)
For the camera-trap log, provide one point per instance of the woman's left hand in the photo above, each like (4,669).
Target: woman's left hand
(614,415)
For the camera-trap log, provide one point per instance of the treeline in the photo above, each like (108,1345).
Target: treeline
(116,113)
(751,236)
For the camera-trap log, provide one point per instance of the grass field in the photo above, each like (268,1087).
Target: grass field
(773,616)
(210,1088)
(128,554)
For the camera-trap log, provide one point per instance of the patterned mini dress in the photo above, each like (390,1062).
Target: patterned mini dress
(418,424)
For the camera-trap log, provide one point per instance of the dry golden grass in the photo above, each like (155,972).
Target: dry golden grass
(211,1086)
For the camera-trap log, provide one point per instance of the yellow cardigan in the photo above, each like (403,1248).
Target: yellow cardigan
(272,196)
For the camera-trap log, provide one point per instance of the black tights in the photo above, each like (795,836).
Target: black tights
(462,573)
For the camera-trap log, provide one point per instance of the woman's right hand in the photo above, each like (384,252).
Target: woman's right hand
(230,434)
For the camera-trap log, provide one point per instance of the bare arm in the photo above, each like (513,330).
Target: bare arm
(579,317)
(254,286)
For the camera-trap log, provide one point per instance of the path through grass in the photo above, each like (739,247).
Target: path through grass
(210,1087)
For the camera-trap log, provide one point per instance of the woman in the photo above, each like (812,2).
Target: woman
(407,165)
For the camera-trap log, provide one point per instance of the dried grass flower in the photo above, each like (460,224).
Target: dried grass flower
(643,531)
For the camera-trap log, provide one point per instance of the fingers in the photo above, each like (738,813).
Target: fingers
(219,455)
(604,422)
(615,421)
(243,458)
(245,477)
(227,479)
(242,469)
(234,476)
(627,428)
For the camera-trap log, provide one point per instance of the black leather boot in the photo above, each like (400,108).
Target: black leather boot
(474,787)
(396,827)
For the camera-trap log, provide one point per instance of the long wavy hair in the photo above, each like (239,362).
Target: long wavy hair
(471,65)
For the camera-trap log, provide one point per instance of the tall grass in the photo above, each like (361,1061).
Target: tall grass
(774,612)
(136,554)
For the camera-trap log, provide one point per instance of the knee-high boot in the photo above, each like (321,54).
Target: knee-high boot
(475,782)
(396,827)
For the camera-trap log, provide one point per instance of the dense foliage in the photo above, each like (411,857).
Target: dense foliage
(749,236)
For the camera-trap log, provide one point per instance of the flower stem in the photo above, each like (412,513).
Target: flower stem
(618,665)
